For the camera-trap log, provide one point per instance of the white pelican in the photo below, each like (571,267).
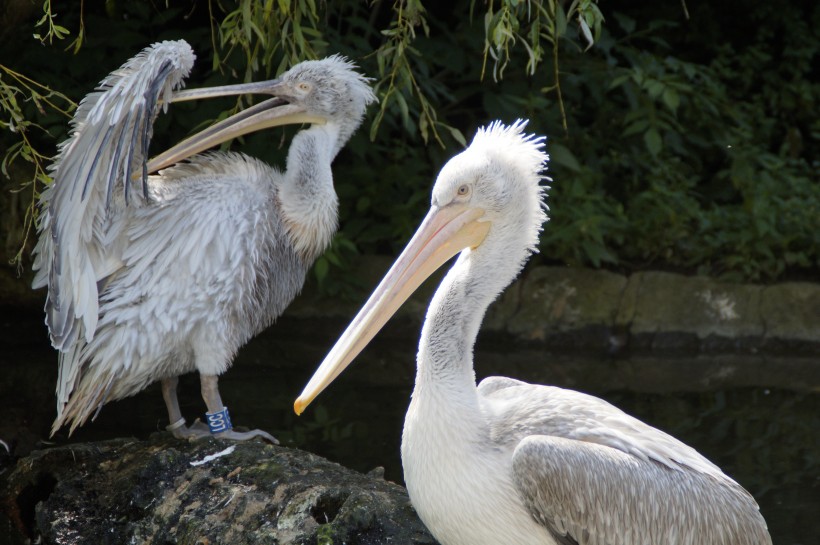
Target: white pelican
(150,277)
(509,462)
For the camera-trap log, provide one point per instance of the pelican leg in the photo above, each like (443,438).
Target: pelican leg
(210,394)
(177,422)
(169,394)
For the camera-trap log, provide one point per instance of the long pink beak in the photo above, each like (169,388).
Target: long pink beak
(443,233)
(270,113)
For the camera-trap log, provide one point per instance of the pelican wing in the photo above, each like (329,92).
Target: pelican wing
(591,494)
(99,171)
(592,474)
(519,409)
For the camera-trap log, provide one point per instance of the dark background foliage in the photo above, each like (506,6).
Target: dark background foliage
(685,138)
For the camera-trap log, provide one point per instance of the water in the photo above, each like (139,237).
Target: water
(757,418)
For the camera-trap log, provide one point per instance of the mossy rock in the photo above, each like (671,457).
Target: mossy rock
(165,490)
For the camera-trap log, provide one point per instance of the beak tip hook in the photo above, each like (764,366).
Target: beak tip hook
(299,406)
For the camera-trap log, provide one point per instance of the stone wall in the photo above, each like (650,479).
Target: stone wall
(601,311)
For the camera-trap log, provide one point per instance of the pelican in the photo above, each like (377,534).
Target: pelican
(153,276)
(509,462)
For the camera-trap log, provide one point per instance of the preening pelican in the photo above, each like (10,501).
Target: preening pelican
(509,462)
(150,277)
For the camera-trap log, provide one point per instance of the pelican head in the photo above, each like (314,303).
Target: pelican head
(316,92)
(499,174)
(488,200)
(329,88)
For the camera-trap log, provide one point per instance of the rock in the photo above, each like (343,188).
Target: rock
(601,312)
(791,314)
(565,306)
(164,490)
(674,311)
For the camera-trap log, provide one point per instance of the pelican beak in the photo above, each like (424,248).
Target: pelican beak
(270,113)
(443,233)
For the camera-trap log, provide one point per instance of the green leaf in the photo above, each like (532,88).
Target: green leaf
(586,32)
(653,141)
(320,269)
(403,108)
(671,98)
(61,31)
(654,87)
(620,80)
(333,259)
(346,244)
(457,135)
(560,23)
(639,125)
(564,157)
(596,253)
(423,128)
(626,23)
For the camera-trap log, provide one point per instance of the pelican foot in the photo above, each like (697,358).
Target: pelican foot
(245,435)
(199,430)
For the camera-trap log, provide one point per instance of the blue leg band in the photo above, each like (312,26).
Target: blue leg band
(219,421)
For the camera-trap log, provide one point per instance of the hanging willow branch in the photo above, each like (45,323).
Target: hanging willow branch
(530,24)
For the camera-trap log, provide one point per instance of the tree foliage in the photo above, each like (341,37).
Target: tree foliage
(681,137)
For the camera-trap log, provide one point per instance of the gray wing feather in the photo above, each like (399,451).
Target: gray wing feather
(79,212)
(490,385)
(592,494)
(593,475)
(517,409)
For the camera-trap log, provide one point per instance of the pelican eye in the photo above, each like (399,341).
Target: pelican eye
(463,190)
(304,86)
